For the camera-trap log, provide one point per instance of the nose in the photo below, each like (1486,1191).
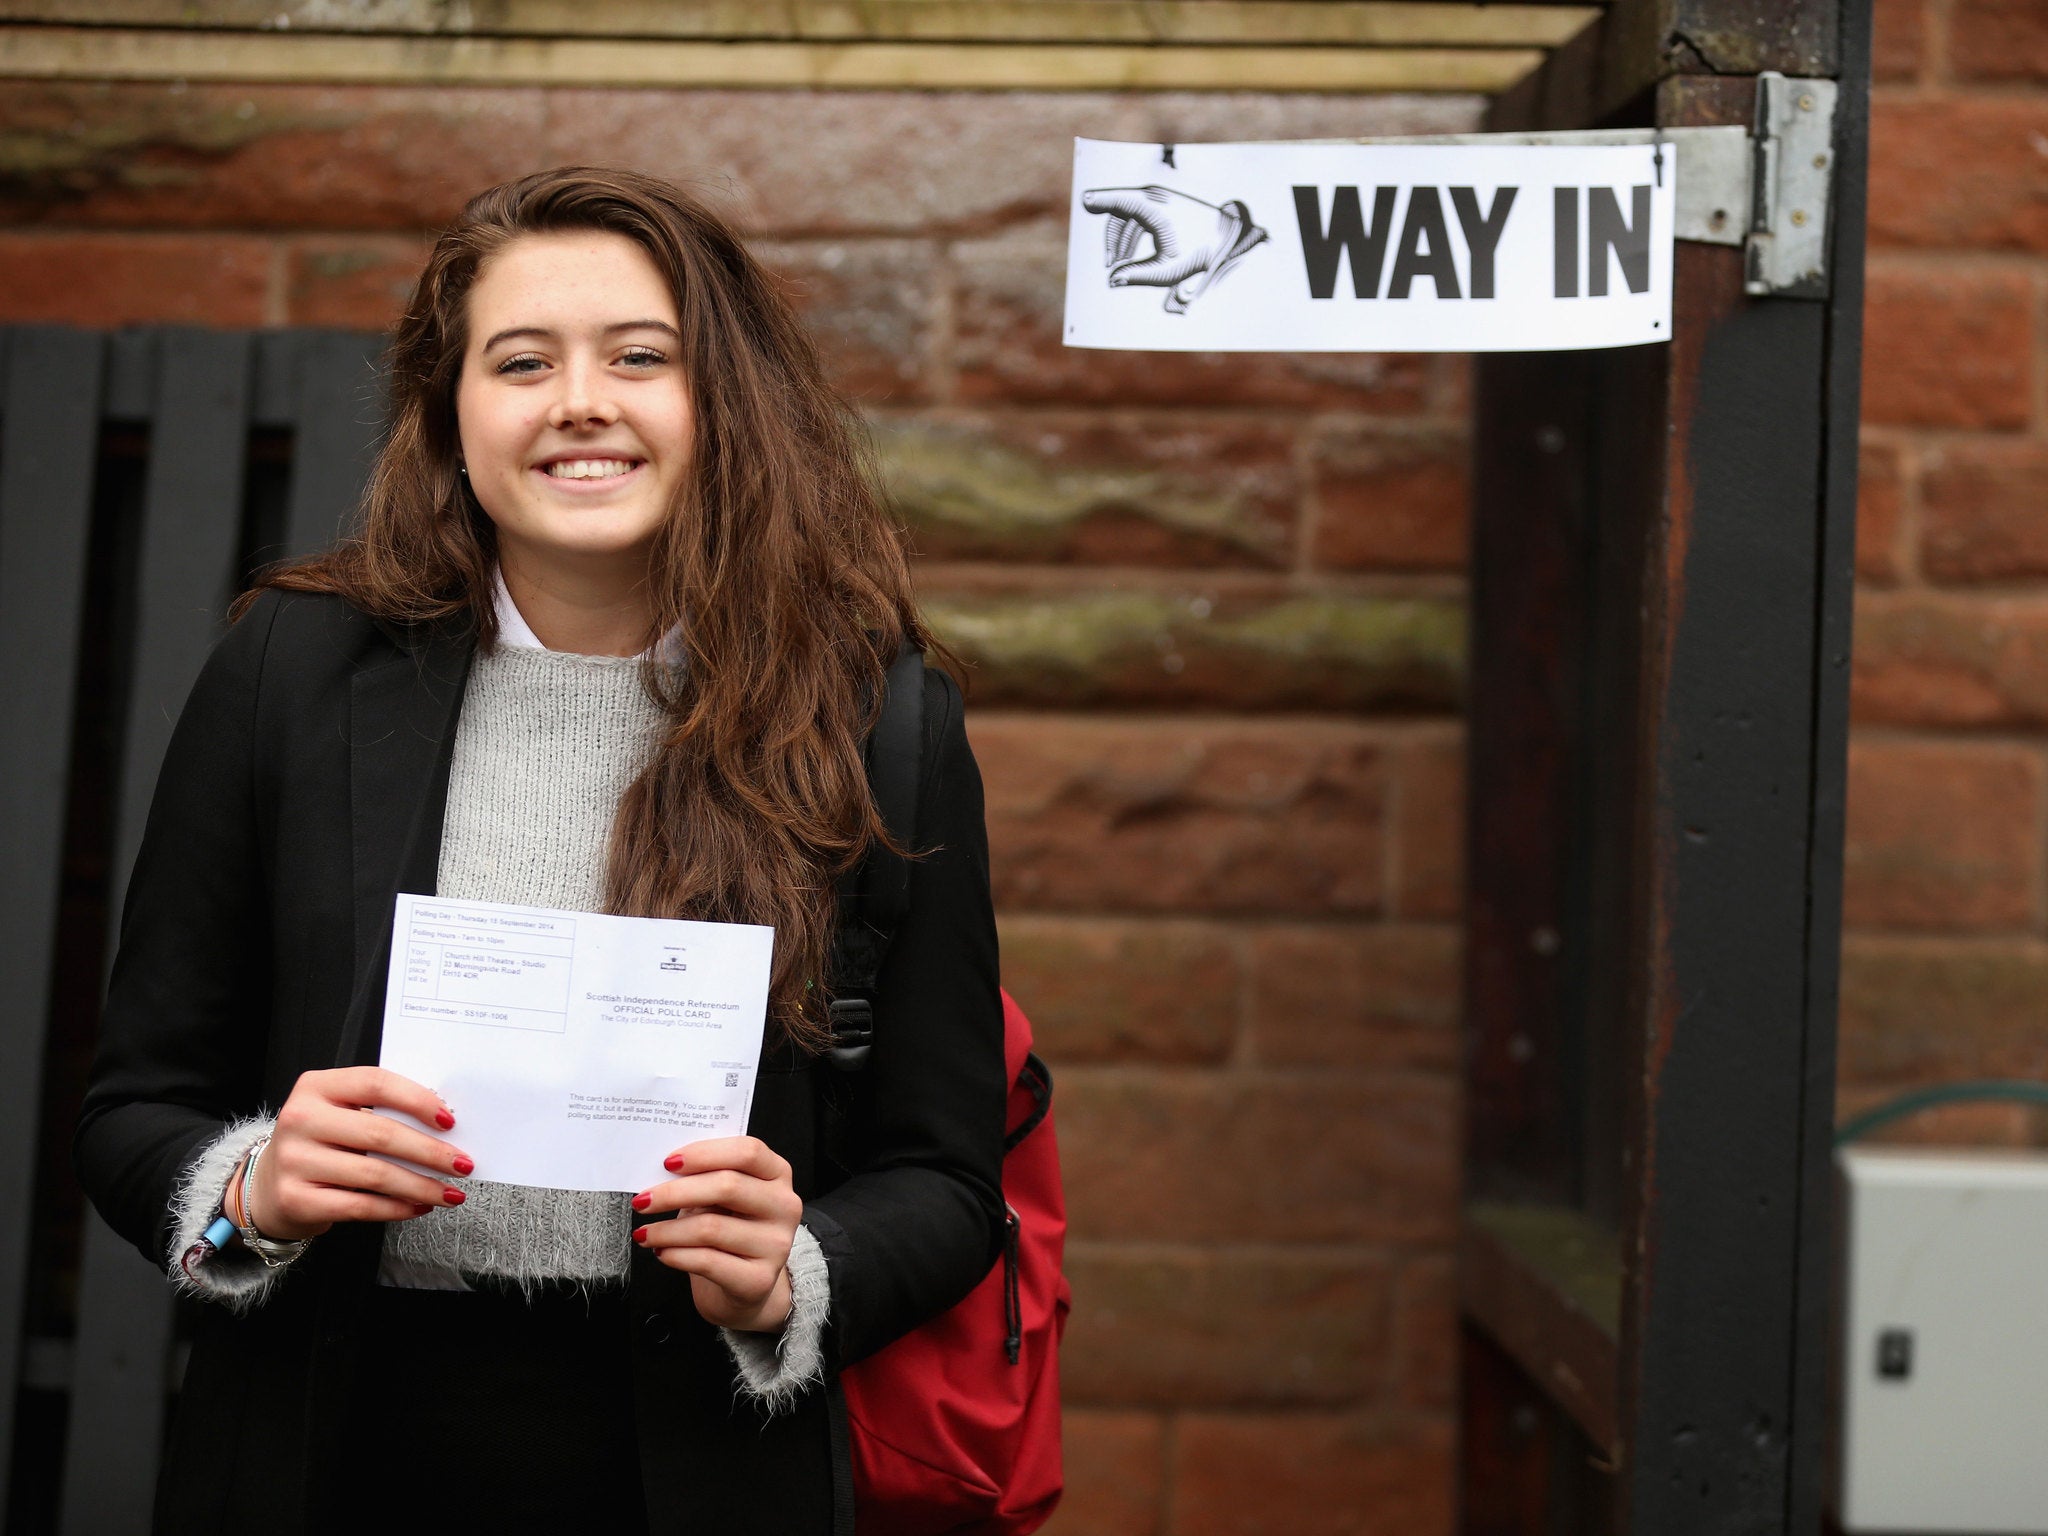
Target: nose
(582,398)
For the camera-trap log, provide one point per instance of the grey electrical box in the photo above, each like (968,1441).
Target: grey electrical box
(1942,1342)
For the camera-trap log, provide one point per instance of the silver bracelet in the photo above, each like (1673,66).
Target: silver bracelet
(274,1253)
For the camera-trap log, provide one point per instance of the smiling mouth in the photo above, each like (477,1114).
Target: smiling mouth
(590,469)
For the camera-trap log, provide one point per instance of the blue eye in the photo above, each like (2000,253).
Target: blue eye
(642,355)
(511,364)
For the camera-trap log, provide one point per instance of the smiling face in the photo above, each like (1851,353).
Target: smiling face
(572,408)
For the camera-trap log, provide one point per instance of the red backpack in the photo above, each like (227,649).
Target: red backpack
(955,1427)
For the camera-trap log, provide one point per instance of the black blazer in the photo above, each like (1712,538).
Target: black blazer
(302,790)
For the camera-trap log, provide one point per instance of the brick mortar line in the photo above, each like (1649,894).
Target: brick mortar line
(1169,1473)
(1935,28)
(2031,931)
(1934,735)
(1240,938)
(1958,946)
(945,326)
(1227,915)
(1310,419)
(1361,420)
(1942,260)
(2040,349)
(1940,92)
(1389,1253)
(1989,591)
(1334,725)
(1387,1414)
(1912,529)
(1180,1073)
(1240,581)
(1152,713)
(1393,805)
(1437,925)
(277,288)
(1943,439)
(2037,886)
(1308,451)
(1915,93)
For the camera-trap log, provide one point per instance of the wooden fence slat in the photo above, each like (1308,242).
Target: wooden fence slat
(273,395)
(130,392)
(49,440)
(191,528)
(339,401)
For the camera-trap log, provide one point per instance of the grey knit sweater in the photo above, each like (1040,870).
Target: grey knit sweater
(558,736)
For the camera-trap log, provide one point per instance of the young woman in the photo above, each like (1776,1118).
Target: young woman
(611,639)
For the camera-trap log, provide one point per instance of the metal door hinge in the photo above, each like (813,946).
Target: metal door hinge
(1765,188)
(1792,160)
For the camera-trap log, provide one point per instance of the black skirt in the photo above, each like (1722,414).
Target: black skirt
(516,1413)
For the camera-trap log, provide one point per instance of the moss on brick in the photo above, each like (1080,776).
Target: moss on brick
(1360,632)
(1080,634)
(1341,651)
(137,139)
(950,480)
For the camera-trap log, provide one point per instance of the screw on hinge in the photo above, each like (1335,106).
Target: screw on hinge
(1806,102)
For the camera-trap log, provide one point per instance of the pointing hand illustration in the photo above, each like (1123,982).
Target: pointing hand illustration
(1193,243)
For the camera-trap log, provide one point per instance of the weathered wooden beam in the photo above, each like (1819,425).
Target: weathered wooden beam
(1620,70)
(109,53)
(1544,1282)
(1531,1471)
(1341,23)
(1525,811)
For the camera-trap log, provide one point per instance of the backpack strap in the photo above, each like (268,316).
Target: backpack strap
(875,894)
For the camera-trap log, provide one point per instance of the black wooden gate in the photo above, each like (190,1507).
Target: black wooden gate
(1661,585)
(143,475)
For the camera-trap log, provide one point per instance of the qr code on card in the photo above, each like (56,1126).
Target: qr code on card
(732,1079)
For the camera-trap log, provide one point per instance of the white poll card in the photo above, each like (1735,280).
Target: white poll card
(1330,247)
(576,1049)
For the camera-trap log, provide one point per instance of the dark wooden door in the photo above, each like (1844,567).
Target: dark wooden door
(1661,600)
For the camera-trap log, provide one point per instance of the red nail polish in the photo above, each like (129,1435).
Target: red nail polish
(640,1236)
(421,1210)
(641,1202)
(444,1120)
(673,1162)
(453,1195)
(465,1166)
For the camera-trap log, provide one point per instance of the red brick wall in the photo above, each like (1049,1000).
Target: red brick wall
(1945,974)
(1216,606)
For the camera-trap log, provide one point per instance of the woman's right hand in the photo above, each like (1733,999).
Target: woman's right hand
(318,1168)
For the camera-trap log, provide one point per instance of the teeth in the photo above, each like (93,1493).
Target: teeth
(589,469)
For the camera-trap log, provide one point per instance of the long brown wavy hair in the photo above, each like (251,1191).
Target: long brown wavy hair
(779,560)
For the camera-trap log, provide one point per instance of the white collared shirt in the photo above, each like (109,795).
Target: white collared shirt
(513,630)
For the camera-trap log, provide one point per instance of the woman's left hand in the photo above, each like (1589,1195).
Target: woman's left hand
(736,1215)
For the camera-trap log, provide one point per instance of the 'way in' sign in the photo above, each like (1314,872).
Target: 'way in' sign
(1345,247)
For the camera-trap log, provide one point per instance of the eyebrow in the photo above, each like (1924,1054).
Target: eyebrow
(543,334)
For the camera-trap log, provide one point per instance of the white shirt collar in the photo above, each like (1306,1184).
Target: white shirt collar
(513,630)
